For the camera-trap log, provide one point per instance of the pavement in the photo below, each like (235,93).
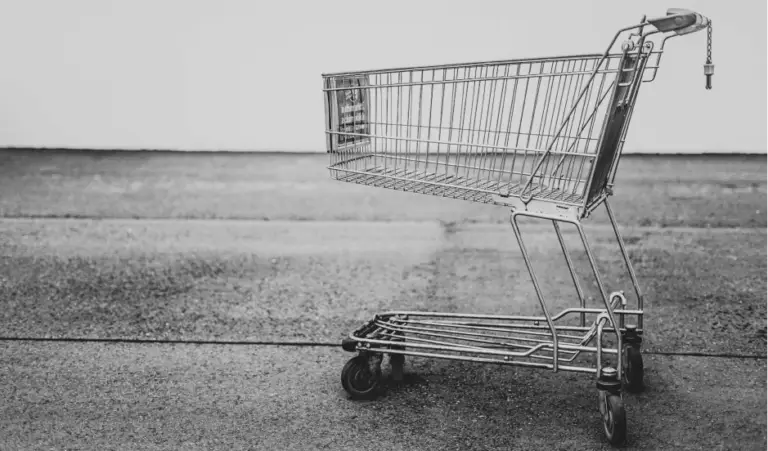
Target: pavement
(193,333)
(200,397)
(300,282)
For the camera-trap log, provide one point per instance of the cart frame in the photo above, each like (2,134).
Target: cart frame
(572,174)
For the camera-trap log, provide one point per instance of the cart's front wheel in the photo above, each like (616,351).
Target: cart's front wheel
(361,377)
(632,371)
(615,420)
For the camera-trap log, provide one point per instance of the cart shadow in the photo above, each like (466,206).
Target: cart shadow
(489,406)
(407,380)
(442,404)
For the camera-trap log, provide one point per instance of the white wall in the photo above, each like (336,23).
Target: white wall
(245,75)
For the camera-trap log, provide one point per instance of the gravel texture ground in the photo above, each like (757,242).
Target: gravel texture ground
(272,281)
(168,397)
(311,281)
(701,263)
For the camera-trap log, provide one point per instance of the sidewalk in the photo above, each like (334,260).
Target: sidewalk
(313,281)
(169,397)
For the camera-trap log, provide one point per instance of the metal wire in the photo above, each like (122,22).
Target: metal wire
(474,131)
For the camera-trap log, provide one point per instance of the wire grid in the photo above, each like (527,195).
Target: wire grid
(472,336)
(474,131)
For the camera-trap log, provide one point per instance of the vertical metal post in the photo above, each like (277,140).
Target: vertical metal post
(328,120)
(608,307)
(628,263)
(575,278)
(599,346)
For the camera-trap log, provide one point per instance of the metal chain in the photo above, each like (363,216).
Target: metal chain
(709,68)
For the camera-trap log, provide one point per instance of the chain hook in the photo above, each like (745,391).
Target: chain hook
(709,68)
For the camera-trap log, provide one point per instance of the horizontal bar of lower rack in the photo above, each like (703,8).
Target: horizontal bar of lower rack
(525,326)
(516,327)
(469,350)
(466,348)
(388,343)
(501,362)
(441,345)
(453,347)
(445,346)
(509,329)
(451,328)
(500,317)
(479,338)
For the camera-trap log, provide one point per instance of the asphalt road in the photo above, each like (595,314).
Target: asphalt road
(309,260)
(313,281)
(167,397)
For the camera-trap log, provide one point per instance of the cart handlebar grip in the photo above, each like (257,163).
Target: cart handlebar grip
(680,21)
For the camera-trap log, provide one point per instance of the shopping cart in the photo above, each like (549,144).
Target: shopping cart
(541,136)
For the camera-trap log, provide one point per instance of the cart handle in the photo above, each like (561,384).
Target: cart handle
(681,21)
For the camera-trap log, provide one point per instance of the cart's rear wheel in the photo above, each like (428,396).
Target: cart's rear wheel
(361,377)
(632,369)
(615,420)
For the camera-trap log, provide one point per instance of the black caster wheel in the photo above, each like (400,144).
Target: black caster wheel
(632,369)
(614,419)
(361,377)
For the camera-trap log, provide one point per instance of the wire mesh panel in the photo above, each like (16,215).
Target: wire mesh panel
(476,131)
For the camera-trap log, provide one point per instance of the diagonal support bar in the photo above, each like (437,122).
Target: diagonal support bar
(569,262)
(536,286)
(628,264)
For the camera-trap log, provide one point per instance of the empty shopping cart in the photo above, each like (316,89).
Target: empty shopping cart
(541,136)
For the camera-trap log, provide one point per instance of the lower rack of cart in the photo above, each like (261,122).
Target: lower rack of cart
(529,341)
